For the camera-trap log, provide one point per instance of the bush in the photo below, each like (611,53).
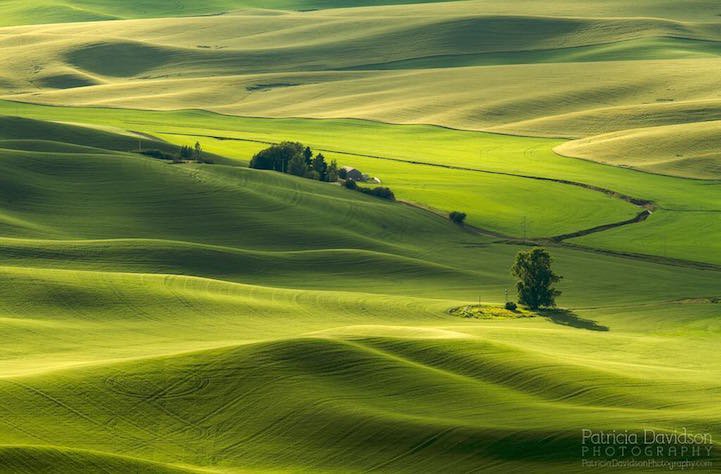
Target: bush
(457,217)
(380,191)
(350,184)
(511,306)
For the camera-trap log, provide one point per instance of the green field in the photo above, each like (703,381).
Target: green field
(213,318)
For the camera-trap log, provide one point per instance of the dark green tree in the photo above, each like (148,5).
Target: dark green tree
(308,155)
(186,152)
(198,152)
(332,172)
(277,157)
(297,166)
(535,278)
(320,166)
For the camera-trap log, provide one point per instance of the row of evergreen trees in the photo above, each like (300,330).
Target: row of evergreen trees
(186,153)
(192,153)
(296,159)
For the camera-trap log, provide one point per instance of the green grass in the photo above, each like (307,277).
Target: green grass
(483,196)
(252,310)
(209,318)
(634,49)
(495,202)
(688,150)
(33,12)
(673,234)
(478,194)
(325,63)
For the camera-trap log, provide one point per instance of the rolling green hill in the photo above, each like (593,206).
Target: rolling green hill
(601,72)
(187,317)
(508,185)
(184,317)
(689,150)
(33,12)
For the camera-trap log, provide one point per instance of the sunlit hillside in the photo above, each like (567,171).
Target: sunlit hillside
(175,313)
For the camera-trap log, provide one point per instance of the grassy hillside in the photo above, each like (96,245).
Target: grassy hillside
(207,317)
(689,150)
(206,321)
(33,12)
(488,176)
(420,64)
(471,189)
(252,63)
(325,64)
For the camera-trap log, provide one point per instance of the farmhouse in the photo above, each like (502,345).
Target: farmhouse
(353,174)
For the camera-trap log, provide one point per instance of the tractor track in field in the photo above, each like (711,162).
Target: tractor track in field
(647,206)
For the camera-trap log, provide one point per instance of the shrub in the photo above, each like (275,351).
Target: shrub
(511,306)
(350,184)
(457,217)
(380,191)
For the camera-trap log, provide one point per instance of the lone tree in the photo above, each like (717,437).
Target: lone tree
(198,152)
(535,278)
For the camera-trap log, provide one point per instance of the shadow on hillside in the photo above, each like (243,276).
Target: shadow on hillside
(567,317)
(475,245)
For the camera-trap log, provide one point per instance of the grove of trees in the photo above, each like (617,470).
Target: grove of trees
(299,160)
(296,159)
(185,153)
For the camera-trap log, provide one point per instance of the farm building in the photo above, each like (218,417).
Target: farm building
(353,174)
